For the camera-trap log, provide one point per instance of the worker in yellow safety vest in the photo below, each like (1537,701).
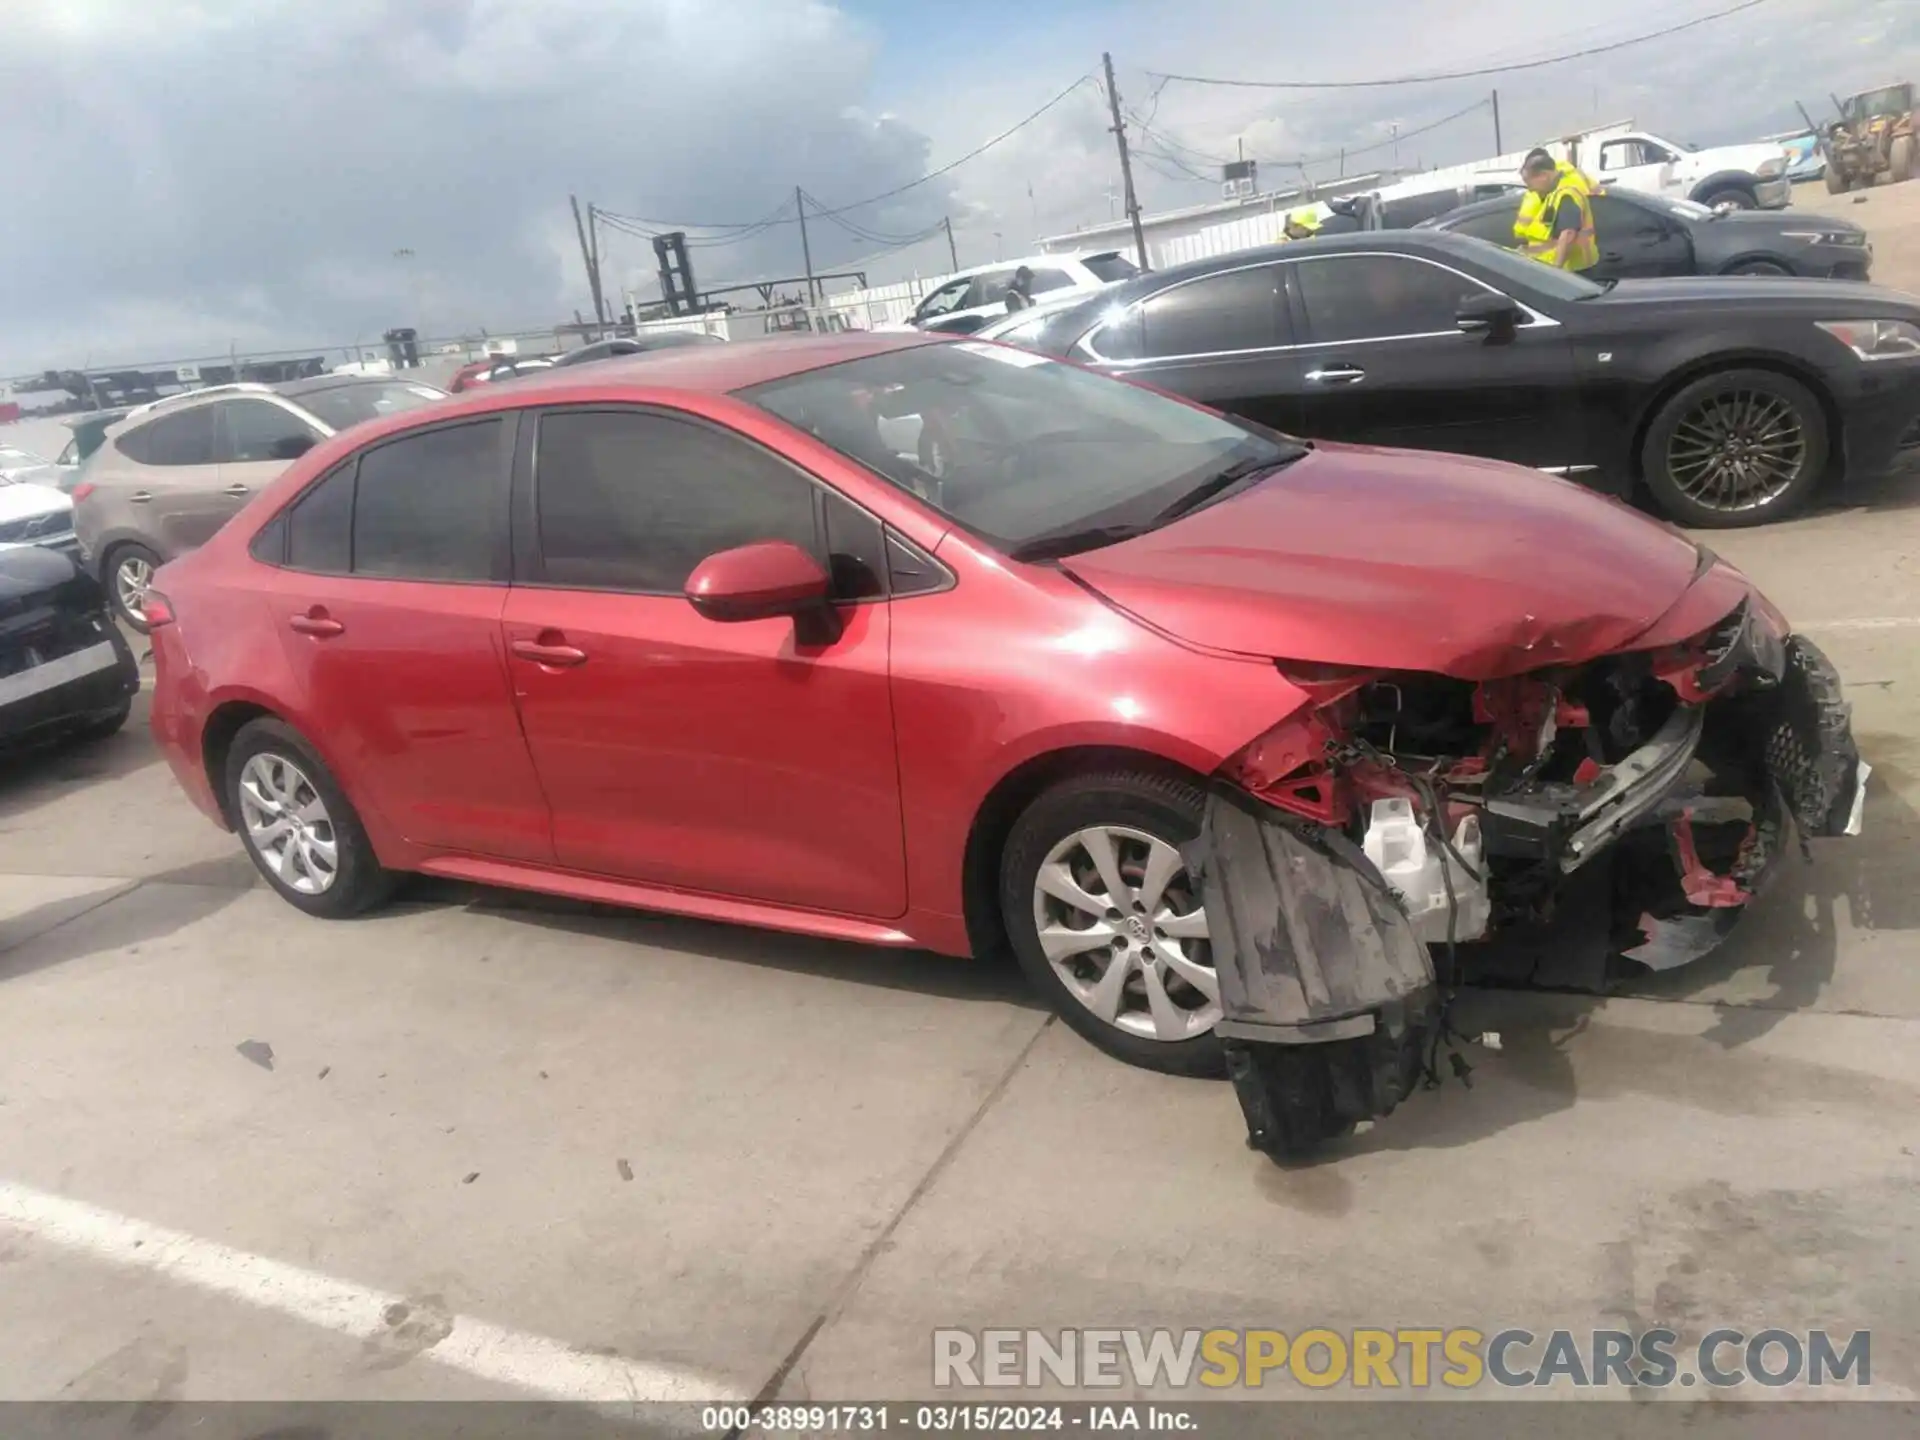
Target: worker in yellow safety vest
(1302,224)
(1555,223)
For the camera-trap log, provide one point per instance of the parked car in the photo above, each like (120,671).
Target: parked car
(688,634)
(34,510)
(17,464)
(969,299)
(64,666)
(1642,235)
(646,344)
(496,367)
(1739,177)
(1732,401)
(172,473)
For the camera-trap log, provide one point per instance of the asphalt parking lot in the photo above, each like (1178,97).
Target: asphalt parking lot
(483,1145)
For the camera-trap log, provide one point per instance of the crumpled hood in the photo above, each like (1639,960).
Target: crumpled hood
(1403,560)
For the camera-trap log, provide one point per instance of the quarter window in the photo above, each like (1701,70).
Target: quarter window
(320,526)
(636,501)
(1376,297)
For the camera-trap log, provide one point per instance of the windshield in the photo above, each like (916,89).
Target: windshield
(1686,209)
(1111,267)
(1548,280)
(348,405)
(1039,457)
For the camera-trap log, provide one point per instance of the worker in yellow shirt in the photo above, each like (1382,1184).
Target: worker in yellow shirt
(1555,223)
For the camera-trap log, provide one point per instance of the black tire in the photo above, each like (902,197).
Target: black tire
(1157,805)
(1737,197)
(1900,159)
(359,882)
(1760,267)
(108,723)
(1682,507)
(110,567)
(1836,180)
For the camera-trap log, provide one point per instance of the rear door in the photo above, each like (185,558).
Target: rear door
(1385,363)
(254,440)
(1224,339)
(387,596)
(172,493)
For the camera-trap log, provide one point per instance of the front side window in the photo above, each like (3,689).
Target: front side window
(1378,297)
(944,300)
(182,438)
(258,430)
(628,500)
(428,506)
(1038,457)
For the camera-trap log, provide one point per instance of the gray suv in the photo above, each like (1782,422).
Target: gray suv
(175,471)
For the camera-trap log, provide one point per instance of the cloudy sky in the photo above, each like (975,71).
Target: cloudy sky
(183,177)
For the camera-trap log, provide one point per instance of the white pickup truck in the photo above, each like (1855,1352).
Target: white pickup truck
(1743,177)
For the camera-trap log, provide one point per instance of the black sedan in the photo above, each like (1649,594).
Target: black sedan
(1643,235)
(1730,401)
(65,668)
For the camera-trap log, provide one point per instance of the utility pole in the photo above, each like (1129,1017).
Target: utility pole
(1126,165)
(586,251)
(1498,148)
(953,254)
(806,253)
(593,245)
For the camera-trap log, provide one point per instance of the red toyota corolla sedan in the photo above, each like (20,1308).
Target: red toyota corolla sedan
(923,642)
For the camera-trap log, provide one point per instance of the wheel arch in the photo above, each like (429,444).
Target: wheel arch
(1684,375)
(1724,180)
(1002,806)
(223,723)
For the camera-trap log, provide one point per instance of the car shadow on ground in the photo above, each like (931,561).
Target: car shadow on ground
(41,773)
(1557,1048)
(118,917)
(995,978)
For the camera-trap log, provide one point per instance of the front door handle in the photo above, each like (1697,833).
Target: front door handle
(317,623)
(139,497)
(1336,375)
(238,491)
(543,652)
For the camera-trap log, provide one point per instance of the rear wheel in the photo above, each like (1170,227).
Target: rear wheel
(1106,921)
(1900,159)
(129,575)
(297,825)
(1739,448)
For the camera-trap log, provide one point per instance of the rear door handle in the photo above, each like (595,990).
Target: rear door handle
(139,497)
(549,654)
(238,490)
(1336,375)
(321,627)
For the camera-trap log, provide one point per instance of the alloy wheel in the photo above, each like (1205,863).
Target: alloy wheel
(1120,924)
(1737,450)
(288,825)
(132,578)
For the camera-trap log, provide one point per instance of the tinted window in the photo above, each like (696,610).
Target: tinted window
(910,570)
(1235,311)
(251,430)
(1370,297)
(185,438)
(1495,226)
(1110,267)
(856,550)
(320,526)
(270,545)
(636,501)
(1407,211)
(345,406)
(428,506)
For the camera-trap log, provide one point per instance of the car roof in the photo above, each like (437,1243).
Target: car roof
(313,384)
(717,369)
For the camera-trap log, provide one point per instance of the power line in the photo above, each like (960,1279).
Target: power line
(1462,74)
(1348,153)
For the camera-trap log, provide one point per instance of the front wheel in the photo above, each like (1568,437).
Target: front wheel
(1900,159)
(297,825)
(1759,267)
(1734,197)
(1738,448)
(1107,923)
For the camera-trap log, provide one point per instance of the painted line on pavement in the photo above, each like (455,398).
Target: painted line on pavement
(1871,622)
(534,1363)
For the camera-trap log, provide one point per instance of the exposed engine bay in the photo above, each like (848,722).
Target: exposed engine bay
(1404,834)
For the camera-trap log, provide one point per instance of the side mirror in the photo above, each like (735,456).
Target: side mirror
(1492,315)
(756,582)
(292,447)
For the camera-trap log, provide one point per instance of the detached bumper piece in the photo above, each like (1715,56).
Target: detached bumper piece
(1327,997)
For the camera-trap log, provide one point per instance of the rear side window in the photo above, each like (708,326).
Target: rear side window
(183,438)
(429,506)
(259,430)
(1222,313)
(1495,227)
(634,501)
(1111,266)
(1046,278)
(1377,297)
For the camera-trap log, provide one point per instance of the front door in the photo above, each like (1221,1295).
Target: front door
(1634,162)
(1637,241)
(1386,364)
(751,759)
(388,599)
(1223,339)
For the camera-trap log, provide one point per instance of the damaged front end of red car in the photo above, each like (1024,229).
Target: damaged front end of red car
(1401,834)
